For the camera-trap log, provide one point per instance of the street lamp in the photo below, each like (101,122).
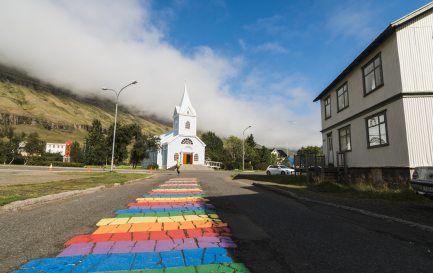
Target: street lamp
(243,147)
(115,118)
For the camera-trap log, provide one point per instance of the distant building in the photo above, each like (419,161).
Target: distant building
(377,115)
(280,154)
(64,149)
(182,143)
(56,148)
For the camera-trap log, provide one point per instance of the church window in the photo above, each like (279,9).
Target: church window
(176,157)
(187,125)
(186,141)
(195,157)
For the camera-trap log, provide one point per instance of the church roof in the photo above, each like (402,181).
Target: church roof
(185,107)
(169,137)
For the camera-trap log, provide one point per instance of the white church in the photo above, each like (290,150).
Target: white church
(182,143)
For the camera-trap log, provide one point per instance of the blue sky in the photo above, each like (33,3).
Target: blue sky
(258,63)
(307,41)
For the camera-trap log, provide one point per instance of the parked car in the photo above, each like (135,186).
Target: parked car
(422,181)
(279,169)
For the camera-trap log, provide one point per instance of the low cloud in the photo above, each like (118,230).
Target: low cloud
(84,46)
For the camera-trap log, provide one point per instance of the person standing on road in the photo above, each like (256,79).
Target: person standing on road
(178,167)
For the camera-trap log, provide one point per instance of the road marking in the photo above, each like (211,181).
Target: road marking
(166,231)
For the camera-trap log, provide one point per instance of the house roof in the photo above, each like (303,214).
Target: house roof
(170,137)
(280,152)
(374,45)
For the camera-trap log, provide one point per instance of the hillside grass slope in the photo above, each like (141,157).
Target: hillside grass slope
(21,100)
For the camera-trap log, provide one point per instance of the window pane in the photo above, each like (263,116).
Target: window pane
(373,136)
(372,121)
(343,144)
(370,83)
(368,68)
(341,103)
(383,134)
(382,118)
(377,62)
(378,76)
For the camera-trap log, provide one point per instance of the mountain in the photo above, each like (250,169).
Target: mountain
(30,105)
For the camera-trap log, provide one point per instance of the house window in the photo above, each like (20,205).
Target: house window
(187,125)
(377,131)
(176,157)
(327,103)
(342,97)
(372,75)
(195,157)
(186,141)
(345,139)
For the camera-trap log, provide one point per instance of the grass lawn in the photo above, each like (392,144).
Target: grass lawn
(11,193)
(356,190)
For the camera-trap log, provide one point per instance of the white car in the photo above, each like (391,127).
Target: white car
(279,169)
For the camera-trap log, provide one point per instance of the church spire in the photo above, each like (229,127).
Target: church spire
(185,106)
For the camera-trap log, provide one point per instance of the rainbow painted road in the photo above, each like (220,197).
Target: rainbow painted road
(172,229)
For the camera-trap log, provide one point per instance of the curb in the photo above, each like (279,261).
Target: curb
(14,206)
(360,211)
(45,199)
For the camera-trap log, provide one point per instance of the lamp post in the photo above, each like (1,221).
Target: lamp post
(243,147)
(115,118)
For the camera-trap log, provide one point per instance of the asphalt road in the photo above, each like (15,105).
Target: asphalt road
(274,233)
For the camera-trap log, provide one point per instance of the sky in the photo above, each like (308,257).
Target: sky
(245,62)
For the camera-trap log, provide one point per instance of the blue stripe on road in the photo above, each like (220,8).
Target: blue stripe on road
(128,261)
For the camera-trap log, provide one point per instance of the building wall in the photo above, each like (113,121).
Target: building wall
(393,155)
(176,147)
(193,125)
(357,101)
(418,113)
(415,50)
(55,148)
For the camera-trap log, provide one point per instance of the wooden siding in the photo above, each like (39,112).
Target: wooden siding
(418,113)
(415,50)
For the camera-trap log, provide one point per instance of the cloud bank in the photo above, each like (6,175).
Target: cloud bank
(86,45)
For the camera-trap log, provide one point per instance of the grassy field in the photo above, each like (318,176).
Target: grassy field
(355,190)
(11,193)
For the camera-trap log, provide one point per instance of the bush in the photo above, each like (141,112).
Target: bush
(262,166)
(232,165)
(41,162)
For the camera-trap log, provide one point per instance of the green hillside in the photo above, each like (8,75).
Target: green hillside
(57,115)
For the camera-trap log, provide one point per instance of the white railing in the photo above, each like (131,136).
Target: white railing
(213,164)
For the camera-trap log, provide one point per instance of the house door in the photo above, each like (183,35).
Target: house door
(330,151)
(187,158)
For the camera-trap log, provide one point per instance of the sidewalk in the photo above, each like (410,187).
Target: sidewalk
(414,211)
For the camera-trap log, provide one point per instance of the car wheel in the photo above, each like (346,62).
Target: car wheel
(283,173)
(268,173)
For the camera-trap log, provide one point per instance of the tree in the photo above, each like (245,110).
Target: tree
(34,145)
(76,152)
(141,148)
(9,144)
(233,147)
(310,150)
(124,137)
(214,146)
(95,151)
(249,141)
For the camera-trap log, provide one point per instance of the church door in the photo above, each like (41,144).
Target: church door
(187,158)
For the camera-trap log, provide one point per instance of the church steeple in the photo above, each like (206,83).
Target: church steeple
(185,107)
(185,117)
